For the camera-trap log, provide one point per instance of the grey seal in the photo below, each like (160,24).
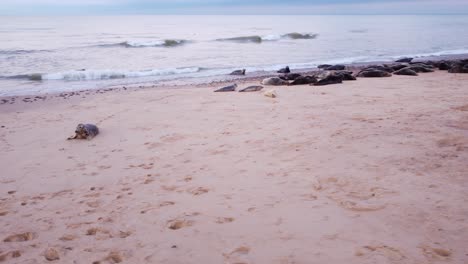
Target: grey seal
(274,81)
(230,88)
(253,88)
(330,79)
(407,60)
(406,71)
(238,72)
(85,131)
(374,73)
(284,70)
(304,80)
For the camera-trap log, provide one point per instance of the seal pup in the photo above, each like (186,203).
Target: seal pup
(274,81)
(238,72)
(284,70)
(270,93)
(85,131)
(230,88)
(253,88)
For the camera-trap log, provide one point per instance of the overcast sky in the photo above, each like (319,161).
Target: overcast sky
(71,7)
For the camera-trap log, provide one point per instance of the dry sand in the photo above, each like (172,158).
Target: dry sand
(370,171)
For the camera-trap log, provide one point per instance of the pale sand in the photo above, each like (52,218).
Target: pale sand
(370,171)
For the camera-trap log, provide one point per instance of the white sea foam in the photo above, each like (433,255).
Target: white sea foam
(86,75)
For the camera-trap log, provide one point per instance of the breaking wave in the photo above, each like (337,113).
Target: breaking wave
(20,51)
(272,37)
(88,75)
(147,43)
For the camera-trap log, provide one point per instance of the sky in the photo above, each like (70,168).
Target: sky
(231,7)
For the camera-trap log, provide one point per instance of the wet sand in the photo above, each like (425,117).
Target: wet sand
(368,171)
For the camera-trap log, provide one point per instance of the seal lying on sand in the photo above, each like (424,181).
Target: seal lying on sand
(285,70)
(238,72)
(230,88)
(290,76)
(274,81)
(85,131)
(304,80)
(253,88)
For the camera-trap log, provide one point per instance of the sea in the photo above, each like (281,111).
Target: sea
(40,55)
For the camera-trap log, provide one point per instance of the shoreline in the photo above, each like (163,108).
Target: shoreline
(228,79)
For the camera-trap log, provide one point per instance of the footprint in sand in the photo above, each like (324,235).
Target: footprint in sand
(113,257)
(10,255)
(436,253)
(20,237)
(177,224)
(198,191)
(390,253)
(223,220)
(238,255)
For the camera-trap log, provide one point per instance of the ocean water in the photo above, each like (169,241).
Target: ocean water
(52,54)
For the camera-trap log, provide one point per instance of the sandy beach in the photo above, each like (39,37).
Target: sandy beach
(368,171)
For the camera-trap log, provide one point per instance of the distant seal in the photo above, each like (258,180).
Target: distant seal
(290,76)
(230,88)
(274,81)
(407,60)
(406,71)
(253,88)
(338,67)
(304,80)
(373,73)
(330,79)
(85,131)
(238,72)
(284,70)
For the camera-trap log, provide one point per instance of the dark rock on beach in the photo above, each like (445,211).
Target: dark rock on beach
(406,71)
(304,80)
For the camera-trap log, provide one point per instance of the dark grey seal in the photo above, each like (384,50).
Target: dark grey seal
(230,88)
(335,68)
(407,60)
(372,73)
(406,71)
(238,72)
(290,76)
(304,80)
(345,75)
(330,79)
(85,131)
(253,88)
(284,70)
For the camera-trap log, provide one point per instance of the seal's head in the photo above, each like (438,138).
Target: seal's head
(80,128)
